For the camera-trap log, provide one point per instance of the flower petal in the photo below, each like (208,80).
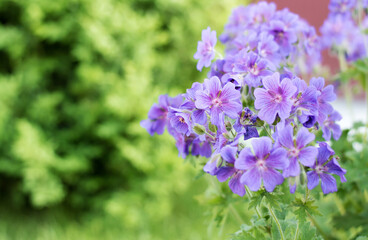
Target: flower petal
(304,137)
(293,169)
(246,159)
(261,146)
(252,179)
(228,153)
(236,186)
(285,137)
(328,183)
(224,173)
(272,178)
(313,179)
(277,159)
(307,156)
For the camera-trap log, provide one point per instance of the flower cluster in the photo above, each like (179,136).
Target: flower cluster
(344,29)
(253,118)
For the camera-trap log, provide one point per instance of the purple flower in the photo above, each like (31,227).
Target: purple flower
(262,164)
(206,49)
(157,115)
(297,148)
(228,154)
(322,170)
(180,120)
(305,98)
(254,65)
(275,98)
(218,99)
(325,95)
(329,126)
(268,49)
(342,7)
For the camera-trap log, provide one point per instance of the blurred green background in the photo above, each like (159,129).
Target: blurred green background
(76,78)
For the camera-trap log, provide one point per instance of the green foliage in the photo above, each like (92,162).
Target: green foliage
(305,208)
(76,78)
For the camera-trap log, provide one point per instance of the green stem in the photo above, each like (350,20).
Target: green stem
(347,92)
(269,134)
(297,231)
(236,214)
(277,222)
(366,102)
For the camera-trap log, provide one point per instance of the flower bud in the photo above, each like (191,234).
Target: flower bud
(199,129)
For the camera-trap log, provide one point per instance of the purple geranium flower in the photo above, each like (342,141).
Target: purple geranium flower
(342,7)
(275,98)
(322,170)
(228,153)
(329,126)
(206,49)
(326,94)
(298,151)
(262,164)
(218,99)
(157,115)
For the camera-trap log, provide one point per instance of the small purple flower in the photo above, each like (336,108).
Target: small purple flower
(180,120)
(206,49)
(322,170)
(267,48)
(157,115)
(297,148)
(275,98)
(325,95)
(342,7)
(228,153)
(329,126)
(219,100)
(262,164)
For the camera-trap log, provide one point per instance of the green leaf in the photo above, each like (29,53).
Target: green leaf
(303,208)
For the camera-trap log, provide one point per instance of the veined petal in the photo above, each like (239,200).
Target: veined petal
(304,137)
(236,186)
(307,156)
(293,169)
(313,179)
(261,146)
(230,93)
(224,173)
(252,179)
(203,101)
(232,108)
(246,160)
(277,159)
(213,85)
(285,137)
(272,82)
(328,183)
(271,179)
(228,153)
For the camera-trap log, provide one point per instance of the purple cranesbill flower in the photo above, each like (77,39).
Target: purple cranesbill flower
(257,68)
(206,49)
(274,98)
(305,98)
(342,7)
(157,115)
(267,48)
(322,170)
(198,115)
(219,100)
(180,120)
(326,94)
(245,124)
(262,164)
(297,148)
(284,30)
(251,63)
(329,125)
(228,154)
(312,41)
(201,148)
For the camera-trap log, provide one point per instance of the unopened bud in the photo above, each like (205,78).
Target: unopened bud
(199,129)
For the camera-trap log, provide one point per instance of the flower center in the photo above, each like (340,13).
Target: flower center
(261,164)
(320,169)
(181,119)
(216,102)
(254,70)
(294,152)
(277,98)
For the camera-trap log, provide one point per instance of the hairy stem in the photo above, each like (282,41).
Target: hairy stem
(277,222)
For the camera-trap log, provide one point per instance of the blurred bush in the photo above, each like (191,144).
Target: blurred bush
(76,77)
